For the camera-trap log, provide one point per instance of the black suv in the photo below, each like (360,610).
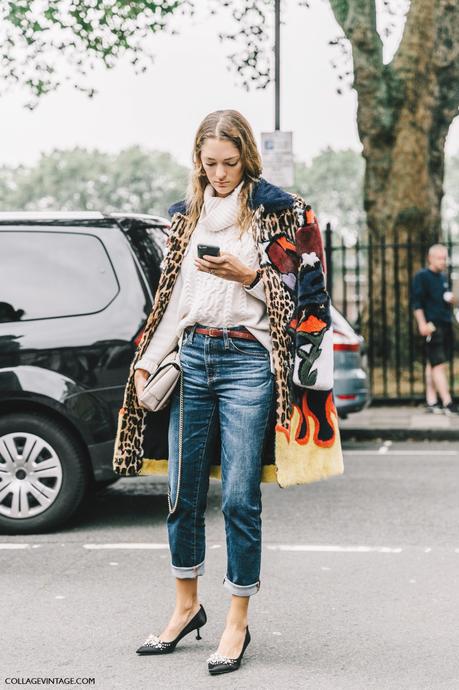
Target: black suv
(75,291)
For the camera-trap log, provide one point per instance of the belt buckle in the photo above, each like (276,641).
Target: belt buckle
(214,332)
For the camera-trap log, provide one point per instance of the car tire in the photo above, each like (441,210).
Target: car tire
(53,468)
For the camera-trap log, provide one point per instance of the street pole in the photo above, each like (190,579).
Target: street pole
(277,62)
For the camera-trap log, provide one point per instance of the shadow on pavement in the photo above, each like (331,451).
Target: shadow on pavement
(133,502)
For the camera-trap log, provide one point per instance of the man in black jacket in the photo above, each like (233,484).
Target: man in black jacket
(432,302)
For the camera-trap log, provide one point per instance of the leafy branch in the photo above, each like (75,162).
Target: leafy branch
(46,43)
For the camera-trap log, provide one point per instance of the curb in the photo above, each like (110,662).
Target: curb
(365,434)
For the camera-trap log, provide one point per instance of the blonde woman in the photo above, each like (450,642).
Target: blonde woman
(252,321)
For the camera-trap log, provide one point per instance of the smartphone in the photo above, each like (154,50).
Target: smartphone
(210,249)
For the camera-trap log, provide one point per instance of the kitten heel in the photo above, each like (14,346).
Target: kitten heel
(153,645)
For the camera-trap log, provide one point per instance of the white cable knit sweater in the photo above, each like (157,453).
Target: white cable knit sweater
(200,297)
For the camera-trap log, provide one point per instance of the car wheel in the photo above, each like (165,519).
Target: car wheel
(43,474)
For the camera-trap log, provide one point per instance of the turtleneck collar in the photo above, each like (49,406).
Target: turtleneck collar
(218,212)
(272,198)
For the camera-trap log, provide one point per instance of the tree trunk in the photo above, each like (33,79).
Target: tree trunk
(405,109)
(404,153)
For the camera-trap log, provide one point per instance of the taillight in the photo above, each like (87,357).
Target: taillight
(138,337)
(344,342)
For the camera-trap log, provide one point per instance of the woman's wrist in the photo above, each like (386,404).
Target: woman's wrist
(251,278)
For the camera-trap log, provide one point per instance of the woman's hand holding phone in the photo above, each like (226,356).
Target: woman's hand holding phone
(226,266)
(208,250)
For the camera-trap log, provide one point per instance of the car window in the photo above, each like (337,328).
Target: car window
(53,274)
(148,244)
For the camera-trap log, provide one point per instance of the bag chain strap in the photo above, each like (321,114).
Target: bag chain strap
(173,508)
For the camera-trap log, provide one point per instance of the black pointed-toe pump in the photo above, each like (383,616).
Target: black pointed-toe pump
(217,663)
(153,645)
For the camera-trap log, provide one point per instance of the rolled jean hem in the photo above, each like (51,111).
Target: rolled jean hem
(241,590)
(189,572)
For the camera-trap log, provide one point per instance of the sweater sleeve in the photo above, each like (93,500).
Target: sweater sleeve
(165,338)
(257,291)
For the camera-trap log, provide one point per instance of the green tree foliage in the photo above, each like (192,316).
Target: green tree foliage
(48,42)
(333,184)
(135,180)
(141,181)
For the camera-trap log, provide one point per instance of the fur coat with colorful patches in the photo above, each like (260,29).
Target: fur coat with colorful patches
(302,442)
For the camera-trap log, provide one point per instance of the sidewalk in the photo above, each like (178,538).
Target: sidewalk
(399,422)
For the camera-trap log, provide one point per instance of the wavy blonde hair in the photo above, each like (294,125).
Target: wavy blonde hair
(228,125)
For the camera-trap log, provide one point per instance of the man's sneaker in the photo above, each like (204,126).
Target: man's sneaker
(436,408)
(450,409)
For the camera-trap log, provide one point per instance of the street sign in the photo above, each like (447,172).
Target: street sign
(277,155)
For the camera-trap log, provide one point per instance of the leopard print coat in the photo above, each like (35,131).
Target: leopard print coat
(302,443)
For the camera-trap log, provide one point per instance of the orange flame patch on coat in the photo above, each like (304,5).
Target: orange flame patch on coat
(301,423)
(285,244)
(329,411)
(311,325)
(309,216)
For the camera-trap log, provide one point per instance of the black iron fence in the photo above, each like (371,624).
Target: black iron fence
(369,283)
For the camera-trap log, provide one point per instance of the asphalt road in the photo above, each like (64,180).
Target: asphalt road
(360,585)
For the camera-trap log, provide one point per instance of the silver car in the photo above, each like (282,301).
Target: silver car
(351,386)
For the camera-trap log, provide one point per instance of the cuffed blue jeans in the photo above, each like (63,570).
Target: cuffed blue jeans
(228,385)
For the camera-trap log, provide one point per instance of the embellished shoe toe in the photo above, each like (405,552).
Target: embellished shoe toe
(220,664)
(217,663)
(153,645)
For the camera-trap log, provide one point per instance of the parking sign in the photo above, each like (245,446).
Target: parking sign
(277,155)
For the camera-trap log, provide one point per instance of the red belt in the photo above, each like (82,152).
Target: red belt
(218,333)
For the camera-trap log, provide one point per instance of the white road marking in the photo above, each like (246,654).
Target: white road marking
(132,545)
(394,451)
(319,548)
(270,547)
(337,549)
(385,447)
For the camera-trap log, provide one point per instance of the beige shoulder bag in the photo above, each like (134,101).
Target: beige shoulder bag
(155,396)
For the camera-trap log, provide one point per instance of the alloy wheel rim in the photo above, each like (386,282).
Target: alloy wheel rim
(30,475)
